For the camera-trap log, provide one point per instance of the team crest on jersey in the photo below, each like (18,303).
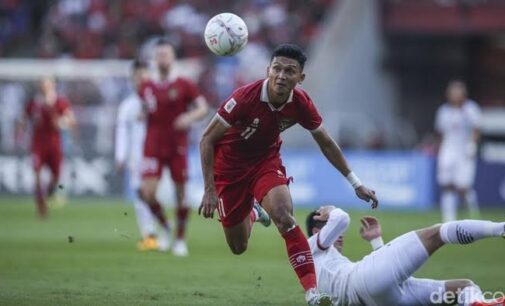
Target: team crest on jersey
(173,93)
(228,107)
(285,123)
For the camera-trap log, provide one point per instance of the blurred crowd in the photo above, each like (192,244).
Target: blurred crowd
(94,29)
(115,29)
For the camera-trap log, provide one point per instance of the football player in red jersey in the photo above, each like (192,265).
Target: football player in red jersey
(48,113)
(240,153)
(171,104)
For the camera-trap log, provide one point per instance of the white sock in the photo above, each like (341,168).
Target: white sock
(449,204)
(469,295)
(468,231)
(145,219)
(472,202)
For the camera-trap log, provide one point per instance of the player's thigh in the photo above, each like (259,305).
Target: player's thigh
(446,171)
(270,188)
(178,166)
(277,202)
(420,291)
(151,169)
(382,271)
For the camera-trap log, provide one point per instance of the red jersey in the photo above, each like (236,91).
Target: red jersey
(255,126)
(164,102)
(46,133)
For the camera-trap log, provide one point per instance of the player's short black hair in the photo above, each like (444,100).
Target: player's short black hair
(310,223)
(139,64)
(290,51)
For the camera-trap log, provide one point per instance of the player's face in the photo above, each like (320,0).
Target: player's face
(164,56)
(456,94)
(283,75)
(47,85)
(140,75)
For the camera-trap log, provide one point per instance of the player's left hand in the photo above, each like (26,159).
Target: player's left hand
(182,122)
(367,194)
(323,213)
(370,228)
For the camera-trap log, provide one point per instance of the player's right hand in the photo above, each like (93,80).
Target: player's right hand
(367,195)
(370,228)
(209,204)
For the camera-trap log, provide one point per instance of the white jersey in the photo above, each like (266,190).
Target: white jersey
(382,278)
(333,270)
(130,132)
(456,124)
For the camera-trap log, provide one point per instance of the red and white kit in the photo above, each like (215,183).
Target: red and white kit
(46,140)
(247,161)
(164,145)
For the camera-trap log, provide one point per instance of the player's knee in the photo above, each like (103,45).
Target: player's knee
(283,220)
(238,248)
(147,195)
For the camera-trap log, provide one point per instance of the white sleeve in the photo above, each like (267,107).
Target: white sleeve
(475,115)
(337,224)
(121,150)
(439,120)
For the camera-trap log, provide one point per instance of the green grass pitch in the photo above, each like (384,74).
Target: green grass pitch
(39,266)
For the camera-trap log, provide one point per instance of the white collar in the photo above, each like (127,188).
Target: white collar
(264,94)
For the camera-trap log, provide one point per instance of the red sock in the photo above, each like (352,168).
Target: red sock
(182,219)
(300,257)
(158,212)
(39,199)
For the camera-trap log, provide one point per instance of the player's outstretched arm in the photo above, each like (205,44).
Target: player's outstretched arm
(214,131)
(371,231)
(332,152)
(200,110)
(337,222)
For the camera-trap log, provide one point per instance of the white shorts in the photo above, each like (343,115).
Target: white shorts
(456,170)
(384,276)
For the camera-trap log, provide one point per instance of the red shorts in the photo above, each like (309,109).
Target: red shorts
(49,157)
(236,199)
(152,167)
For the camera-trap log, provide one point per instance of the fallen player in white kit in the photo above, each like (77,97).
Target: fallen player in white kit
(384,277)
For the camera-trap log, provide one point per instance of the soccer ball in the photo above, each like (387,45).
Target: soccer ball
(226,34)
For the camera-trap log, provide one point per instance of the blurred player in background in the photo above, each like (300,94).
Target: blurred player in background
(457,123)
(241,161)
(384,277)
(130,136)
(172,104)
(49,113)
